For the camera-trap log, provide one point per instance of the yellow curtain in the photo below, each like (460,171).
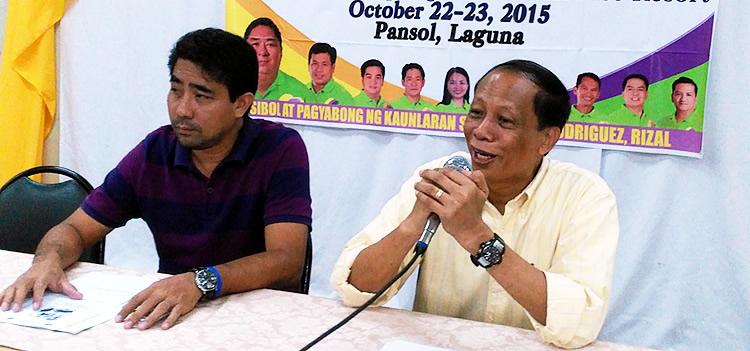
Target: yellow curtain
(27,83)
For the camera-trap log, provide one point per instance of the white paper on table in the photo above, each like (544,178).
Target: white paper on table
(400,345)
(103,296)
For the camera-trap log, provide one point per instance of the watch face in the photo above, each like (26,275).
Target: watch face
(491,254)
(205,279)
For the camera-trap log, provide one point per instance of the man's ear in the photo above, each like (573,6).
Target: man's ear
(549,136)
(243,103)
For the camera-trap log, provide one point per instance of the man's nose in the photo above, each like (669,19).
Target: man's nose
(261,49)
(183,107)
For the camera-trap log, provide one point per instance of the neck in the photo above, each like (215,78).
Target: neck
(584,108)
(318,87)
(503,191)
(376,98)
(638,110)
(207,160)
(459,102)
(265,80)
(414,99)
(681,115)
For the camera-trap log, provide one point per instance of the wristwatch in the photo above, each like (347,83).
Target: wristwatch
(207,280)
(490,253)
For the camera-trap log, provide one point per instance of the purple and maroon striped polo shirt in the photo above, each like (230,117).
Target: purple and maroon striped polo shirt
(198,221)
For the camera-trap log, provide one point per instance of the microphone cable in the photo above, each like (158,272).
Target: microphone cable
(419,251)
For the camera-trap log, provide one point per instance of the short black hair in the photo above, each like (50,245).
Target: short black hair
(371,63)
(222,56)
(636,76)
(322,48)
(684,80)
(409,66)
(263,21)
(447,97)
(551,103)
(590,75)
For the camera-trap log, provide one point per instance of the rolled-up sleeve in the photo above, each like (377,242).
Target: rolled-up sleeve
(580,277)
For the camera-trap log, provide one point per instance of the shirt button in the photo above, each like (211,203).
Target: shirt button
(210,190)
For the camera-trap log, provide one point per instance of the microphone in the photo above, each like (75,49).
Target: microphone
(458,163)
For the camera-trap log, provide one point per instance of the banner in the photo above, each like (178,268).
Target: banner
(636,69)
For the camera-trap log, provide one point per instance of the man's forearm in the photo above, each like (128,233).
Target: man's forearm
(524,282)
(270,269)
(62,243)
(379,263)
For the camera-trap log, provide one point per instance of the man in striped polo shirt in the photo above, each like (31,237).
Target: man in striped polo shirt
(226,196)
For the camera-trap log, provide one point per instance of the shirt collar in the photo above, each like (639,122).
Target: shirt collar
(325,89)
(419,102)
(240,151)
(528,192)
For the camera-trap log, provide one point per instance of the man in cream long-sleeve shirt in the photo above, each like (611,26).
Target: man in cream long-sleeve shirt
(541,234)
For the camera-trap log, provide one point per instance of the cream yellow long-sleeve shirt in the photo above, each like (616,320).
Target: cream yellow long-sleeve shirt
(564,223)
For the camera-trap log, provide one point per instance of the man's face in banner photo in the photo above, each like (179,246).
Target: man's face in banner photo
(268,49)
(372,82)
(635,93)
(321,70)
(684,97)
(413,83)
(586,93)
(501,129)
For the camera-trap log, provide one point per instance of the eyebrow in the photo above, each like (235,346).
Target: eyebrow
(199,87)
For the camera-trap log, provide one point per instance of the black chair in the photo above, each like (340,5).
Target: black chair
(28,209)
(307,269)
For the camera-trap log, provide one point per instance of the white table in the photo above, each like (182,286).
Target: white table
(271,320)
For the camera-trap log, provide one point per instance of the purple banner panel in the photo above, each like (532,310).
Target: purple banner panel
(603,136)
(608,136)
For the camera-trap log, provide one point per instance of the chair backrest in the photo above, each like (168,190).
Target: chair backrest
(307,269)
(28,209)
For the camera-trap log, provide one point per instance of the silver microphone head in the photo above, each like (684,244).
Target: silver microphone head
(458,163)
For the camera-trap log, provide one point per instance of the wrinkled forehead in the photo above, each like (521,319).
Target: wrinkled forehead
(503,76)
(507,84)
